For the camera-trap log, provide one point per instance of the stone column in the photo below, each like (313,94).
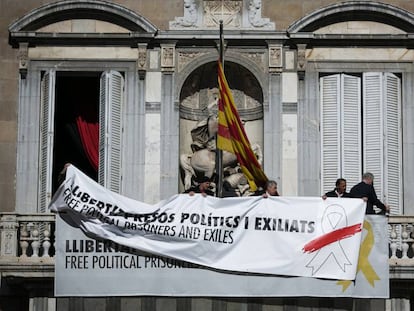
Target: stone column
(169,124)
(308,129)
(407,113)
(272,144)
(27,166)
(134,157)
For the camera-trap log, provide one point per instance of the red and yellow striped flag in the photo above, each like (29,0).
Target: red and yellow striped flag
(232,137)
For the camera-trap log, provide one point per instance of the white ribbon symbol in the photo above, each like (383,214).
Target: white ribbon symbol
(334,218)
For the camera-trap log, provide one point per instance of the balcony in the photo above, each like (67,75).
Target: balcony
(27,246)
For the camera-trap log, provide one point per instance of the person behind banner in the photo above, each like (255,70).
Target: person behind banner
(62,173)
(366,189)
(203,187)
(339,191)
(270,189)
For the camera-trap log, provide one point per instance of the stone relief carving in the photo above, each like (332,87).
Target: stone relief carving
(23,59)
(190,16)
(235,14)
(255,15)
(227,11)
(142,60)
(301,60)
(185,57)
(257,57)
(167,56)
(142,57)
(8,239)
(275,57)
(301,56)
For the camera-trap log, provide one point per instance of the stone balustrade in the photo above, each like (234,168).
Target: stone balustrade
(401,238)
(29,238)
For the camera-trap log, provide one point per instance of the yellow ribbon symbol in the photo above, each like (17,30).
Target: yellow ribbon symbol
(363,263)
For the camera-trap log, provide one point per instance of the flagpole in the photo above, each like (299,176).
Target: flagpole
(219,153)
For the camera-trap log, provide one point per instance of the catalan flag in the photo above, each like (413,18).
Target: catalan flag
(232,137)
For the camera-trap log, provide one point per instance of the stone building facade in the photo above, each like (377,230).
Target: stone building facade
(325,88)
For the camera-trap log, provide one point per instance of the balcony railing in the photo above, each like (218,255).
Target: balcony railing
(27,243)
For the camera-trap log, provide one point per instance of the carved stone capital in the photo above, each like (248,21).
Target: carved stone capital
(23,59)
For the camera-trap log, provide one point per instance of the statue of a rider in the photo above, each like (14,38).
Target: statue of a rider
(202,160)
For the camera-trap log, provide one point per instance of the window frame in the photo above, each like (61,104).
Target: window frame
(309,144)
(362,106)
(28,181)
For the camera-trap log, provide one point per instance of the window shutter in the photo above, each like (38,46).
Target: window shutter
(111,102)
(392,151)
(47,100)
(372,129)
(351,129)
(330,130)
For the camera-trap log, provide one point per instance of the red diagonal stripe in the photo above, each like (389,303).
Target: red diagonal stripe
(224,131)
(331,237)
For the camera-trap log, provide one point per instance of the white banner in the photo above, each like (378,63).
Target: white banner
(88,267)
(299,236)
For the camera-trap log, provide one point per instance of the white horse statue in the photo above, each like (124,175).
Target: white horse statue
(203,163)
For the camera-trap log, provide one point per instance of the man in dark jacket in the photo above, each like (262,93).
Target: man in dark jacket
(366,189)
(270,189)
(203,187)
(339,191)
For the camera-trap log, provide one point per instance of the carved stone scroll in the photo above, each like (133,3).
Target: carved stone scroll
(301,65)
(142,60)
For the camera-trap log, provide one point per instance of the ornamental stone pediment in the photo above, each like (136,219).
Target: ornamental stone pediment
(235,14)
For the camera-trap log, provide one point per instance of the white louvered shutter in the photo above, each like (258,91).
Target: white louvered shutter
(392,143)
(351,159)
(330,130)
(110,129)
(47,102)
(373,135)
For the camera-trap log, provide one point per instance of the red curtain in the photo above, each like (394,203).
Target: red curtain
(89,134)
